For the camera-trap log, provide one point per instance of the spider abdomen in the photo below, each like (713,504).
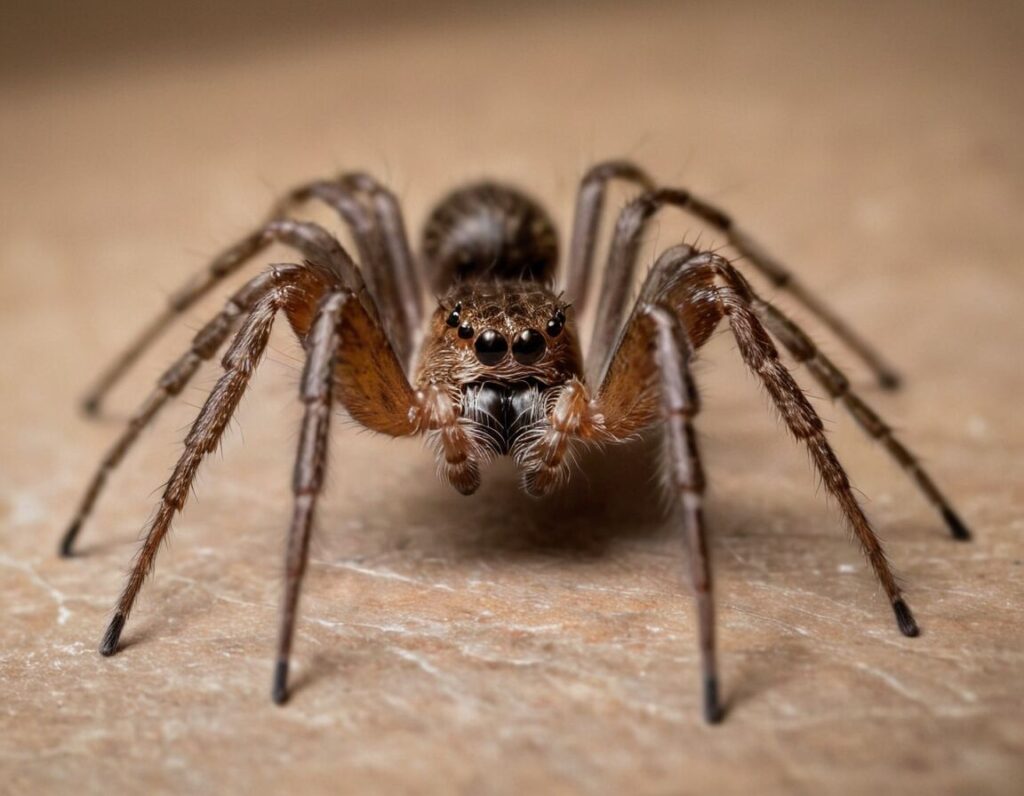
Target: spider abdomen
(487,231)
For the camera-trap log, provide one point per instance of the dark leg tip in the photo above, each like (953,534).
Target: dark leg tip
(888,380)
(113,635)
(956,526)
(280,692)
(905,619)
(91,405)
(713,712)
(67,543)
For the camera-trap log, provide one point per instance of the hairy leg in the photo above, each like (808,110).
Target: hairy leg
(239,362)
(367,226)
(310,464)
(398,254)
(587,223)
(375,220)
(204,345)
(622,258)
(838,387)
(649,380)
(672,352)
(700,292)
(761,356)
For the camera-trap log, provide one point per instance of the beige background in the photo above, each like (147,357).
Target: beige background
(493,644)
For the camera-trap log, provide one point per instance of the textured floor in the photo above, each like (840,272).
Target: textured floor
(495,644)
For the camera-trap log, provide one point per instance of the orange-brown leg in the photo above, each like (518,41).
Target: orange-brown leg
(586,228)
(349,362)
(623,251)
(838,387)
(680,404)
(204,345)
(239,363)
(311,462)
(313,242)
(761,356)
(649,380)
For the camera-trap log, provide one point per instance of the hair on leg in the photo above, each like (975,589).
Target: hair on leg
(586,228)
(622,257)
(314,242)
(761,356)
(239,362)
(672,352)
(310,464)
(838,387)
(205,344)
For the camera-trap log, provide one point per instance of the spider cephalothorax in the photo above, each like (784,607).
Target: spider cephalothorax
(497,369)
(505,331)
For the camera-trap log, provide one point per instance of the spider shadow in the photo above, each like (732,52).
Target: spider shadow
(613,498)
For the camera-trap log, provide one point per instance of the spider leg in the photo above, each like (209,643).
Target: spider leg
(239,362)
(672,352)
(650,380)
(622,258)
(701,291)
(838,387)
(587,223)
(310,464)
(380,238)
(761,356)
(312,240)
(204,345)
(349,361)
(374,217)
(398,257)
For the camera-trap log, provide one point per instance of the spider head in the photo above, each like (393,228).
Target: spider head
(501,331)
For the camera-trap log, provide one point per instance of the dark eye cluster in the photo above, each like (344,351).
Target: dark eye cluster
(491,346)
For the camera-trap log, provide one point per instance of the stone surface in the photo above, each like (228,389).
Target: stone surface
(496,644)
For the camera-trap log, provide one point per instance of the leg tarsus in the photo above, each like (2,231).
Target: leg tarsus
(316,392)
(956,526)
(67,542)
(890,380)
(279,693)
(837,384)
(713,712)
(112,637)
(905,619)
(740,306)
(90,405)
(241,359)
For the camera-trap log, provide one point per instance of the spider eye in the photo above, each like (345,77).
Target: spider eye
(528,346)
(491,347)
(556,324)
(453,319)
(465,330)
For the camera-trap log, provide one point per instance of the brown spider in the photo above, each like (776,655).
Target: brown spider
(498,367)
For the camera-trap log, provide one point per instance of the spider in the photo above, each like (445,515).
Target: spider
(497,368)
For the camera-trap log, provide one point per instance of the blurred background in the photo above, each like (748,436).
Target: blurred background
(494,645)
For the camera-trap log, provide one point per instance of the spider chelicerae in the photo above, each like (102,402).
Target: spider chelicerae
(497,368)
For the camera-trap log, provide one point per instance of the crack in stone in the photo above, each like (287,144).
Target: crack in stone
(63,612)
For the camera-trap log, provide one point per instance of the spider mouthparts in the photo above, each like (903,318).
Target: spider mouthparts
(905,619)
(113,635)
(956,526)
(713,712)
(280,691)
